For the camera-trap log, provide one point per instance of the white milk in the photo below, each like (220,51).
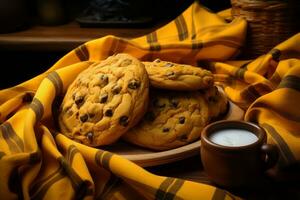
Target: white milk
(233,137)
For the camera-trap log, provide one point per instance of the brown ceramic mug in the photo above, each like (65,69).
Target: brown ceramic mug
(235,153)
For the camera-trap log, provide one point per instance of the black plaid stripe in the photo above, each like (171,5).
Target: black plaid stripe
(37,108)
(110,184)
(102,158)
(72,150)
(250,94)
(171,194)
(35,157)
(40,188)
(240,73)
(117,45)
(79,186)
(245,65)
(82,52)
(181,28)
(197,45)
(281,112)
(193,31)
(56,81)
(152,41)
(283,146)
(291,82)
(229,43)
(161,191)
(263,88)
(106,159)
(14,142)
(275,78)
(219,194)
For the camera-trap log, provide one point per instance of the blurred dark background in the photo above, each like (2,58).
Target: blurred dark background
(17,15)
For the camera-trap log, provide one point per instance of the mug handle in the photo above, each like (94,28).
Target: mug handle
(271,155)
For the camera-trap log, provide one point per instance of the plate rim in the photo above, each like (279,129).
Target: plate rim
(180,153)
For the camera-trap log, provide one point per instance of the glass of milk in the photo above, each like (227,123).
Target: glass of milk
(235,153)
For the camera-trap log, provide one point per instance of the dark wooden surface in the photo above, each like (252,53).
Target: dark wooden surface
(30,52)
(64,37)
(268,187)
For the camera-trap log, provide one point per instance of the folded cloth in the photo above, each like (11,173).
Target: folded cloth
(269,89)
(38,162)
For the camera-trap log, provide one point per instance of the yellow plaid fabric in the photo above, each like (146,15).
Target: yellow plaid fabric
(37,162)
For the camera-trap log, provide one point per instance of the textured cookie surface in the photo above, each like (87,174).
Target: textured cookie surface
(105,100)
(217,102)
(172,76)
(173,119)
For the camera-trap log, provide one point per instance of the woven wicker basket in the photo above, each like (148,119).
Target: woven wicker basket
(269,23)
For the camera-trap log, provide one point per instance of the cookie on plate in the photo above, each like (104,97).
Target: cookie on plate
(172,76)
(105,100)
(217,102)
(173,119)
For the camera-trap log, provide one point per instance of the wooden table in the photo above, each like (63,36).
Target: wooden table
(64,37)
(34,50)
(267,188)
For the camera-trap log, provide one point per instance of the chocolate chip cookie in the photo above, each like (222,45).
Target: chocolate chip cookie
(172,76)
(173,119)
(217,102)
(105,100)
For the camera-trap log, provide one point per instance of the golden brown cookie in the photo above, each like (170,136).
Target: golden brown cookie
(172,76)
(105,100)
(173,119)
(217,102)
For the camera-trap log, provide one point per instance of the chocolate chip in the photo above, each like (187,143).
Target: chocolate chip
(157,60)
(123,121)
(90,136)
(103,79)
(116,89)
(79,100)
(108,112)
(134,84)
(170,74)
(103,98)
(174,103)
(84,118)
(150,116)
(181,120)
(166,129)
(169,64)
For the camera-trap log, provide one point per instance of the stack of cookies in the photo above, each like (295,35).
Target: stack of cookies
(158,105)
